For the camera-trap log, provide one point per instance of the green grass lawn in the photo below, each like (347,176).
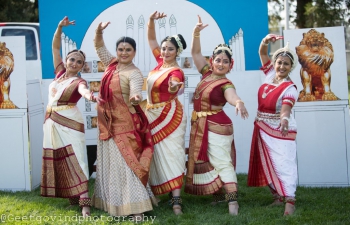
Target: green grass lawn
(314,206)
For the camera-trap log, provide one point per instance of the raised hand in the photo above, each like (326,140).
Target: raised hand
(200,26)
(272,38)
(103,25)
(157,15)
(65,22)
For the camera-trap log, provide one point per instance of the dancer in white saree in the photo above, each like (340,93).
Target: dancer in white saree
(273,149)
(65,168)
(166,115)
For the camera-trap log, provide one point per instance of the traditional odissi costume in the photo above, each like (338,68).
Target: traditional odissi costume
(212,154)
(168,126)
(64,169)
(272,156)
(124,146)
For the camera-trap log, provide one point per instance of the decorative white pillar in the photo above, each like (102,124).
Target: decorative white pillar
(241,49)
(129,26)
(140,59)
(172,24)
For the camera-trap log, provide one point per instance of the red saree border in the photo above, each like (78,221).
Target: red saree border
(162,116)
(64,121)
(173,124)
(204,189)
(276,133)
(261,171)
(168,186)
(62,176)
(69,90)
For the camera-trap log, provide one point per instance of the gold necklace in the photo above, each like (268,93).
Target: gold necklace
(167,65)
(118,70)
(198,91)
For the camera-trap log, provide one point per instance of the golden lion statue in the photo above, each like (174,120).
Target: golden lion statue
(6,68)
(315,55)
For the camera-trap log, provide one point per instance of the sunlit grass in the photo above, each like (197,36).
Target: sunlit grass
(314,206)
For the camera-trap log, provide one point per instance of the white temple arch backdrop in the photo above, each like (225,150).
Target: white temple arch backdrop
(130,18)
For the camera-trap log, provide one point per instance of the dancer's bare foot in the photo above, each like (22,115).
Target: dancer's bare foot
(177,209)
(289,209)
(85,211)
(233,208)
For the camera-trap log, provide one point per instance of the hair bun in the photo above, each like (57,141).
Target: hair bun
(183,42)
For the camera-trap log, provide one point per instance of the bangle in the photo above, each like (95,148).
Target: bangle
(285,118)
(238,101)
(196,34)
(263,42)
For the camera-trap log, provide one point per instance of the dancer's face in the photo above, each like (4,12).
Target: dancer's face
(221,64)
(168,52)
(75,63)
(125,53)
(282,66)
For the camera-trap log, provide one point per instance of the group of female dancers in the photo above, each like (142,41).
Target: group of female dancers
(141,150)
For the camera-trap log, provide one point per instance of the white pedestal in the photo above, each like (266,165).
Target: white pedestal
(323,143)
(21,151)
(14,166)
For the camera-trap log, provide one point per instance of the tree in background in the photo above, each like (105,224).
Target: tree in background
(19,11)
(300,13)
(321,13)
(312,13)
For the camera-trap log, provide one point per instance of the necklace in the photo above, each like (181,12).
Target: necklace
(167,65)
(265,94)
(118,70)
(213,76)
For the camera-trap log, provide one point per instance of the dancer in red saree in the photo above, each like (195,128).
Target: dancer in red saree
(124,146)
(211,156)
(273,149)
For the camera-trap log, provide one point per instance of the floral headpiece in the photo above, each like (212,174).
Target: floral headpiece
(222,47)
(286,51)
(178,41)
